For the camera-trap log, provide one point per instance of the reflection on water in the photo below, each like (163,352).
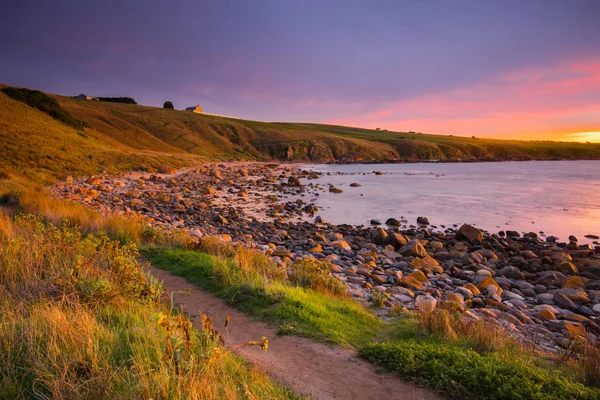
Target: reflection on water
(559,198)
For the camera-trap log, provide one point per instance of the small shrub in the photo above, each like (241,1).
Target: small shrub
(168,105)
(122,100)
(379,298)
(313,274)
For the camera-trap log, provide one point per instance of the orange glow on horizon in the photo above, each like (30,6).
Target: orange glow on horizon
(592,137)
(558,103)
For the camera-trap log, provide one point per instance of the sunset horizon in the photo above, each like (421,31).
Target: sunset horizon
(500,70)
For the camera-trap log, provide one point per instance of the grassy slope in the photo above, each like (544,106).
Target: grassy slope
(210,136)
(216,137)
(165,136)
(43,149)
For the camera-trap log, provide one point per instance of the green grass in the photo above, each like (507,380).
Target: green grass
(293,309)
(464,373)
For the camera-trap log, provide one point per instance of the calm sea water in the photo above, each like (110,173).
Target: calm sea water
(559,198)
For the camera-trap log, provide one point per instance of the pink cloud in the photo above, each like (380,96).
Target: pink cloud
(542,103)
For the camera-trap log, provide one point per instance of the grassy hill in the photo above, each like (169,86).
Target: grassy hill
(127,136)
(211,136)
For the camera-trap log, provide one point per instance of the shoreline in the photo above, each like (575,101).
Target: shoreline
(449,161)
(543,292)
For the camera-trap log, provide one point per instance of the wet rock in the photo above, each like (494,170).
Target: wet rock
(564,302)
(469,233)
(511,273)
(379,236)
(392,222)
(395,239)
(413,249)
(567,268)
(422,221)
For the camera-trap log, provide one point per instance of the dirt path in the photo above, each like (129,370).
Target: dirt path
(307,367)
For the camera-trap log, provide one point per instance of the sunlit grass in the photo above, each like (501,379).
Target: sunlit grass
(304,311)
(80,319)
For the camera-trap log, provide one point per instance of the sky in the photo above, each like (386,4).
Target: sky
(526,69)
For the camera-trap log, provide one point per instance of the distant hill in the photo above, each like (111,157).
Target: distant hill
(116,134)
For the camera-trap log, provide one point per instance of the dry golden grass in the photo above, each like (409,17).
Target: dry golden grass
(251,262)
(80,319)
(455,327)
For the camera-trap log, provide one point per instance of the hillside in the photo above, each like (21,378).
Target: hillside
(113,131)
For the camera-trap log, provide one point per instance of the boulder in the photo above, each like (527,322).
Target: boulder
(413,249)
(564,302)
(293,181)
(395,239)
(341,244)
(469,233)
(379,236)
(422,221)
(511,273)
(427,262)
(392,222)
(425,303)
(567,268)
(165,169)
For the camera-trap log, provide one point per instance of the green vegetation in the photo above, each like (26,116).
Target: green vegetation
(80,319)
(462,359)
(168,105)
(248,281)
(44,103)
(464,373)
(122,100)
(165,136)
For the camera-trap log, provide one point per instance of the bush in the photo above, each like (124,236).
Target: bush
(464,373)
(313,274)
(44,103)
(168,105)
(123,100)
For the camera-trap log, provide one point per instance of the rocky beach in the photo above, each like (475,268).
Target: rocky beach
(544,291)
